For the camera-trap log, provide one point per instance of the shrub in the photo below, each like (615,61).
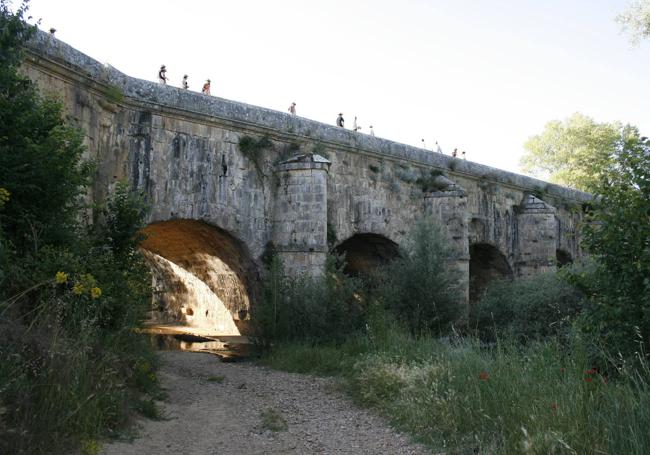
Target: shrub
(326,307)
(420,287)
(71,366)
(537,307)
(252,149)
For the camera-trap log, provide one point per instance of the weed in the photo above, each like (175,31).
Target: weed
(272,420)
(218,379)
(90,447)
(252,149)
(431,181)
(114,94)
(148,408)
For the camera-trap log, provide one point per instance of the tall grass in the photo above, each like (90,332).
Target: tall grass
(460,396)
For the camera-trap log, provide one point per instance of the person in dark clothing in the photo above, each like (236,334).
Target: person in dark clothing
(162,75)
(185,85)
(340,121)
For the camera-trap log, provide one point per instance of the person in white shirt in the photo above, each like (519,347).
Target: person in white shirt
(206,88)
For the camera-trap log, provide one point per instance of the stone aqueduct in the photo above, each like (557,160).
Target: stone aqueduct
(303,185)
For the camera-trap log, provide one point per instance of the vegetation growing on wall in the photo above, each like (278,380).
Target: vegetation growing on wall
(114,94)
(253,149)
(429,181)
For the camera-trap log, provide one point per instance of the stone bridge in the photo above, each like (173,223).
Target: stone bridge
(227,179)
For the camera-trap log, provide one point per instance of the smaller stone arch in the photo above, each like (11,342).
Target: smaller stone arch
(563,257)
(486,264)
(365,252)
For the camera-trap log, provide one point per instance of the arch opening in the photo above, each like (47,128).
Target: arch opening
(563,257)
(486,264)
(203,277)
(365,252)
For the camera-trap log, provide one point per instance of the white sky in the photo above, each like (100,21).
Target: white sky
(479,75)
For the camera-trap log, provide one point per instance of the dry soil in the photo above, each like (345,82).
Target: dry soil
(233,408)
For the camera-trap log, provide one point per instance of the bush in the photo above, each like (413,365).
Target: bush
(538,307)
(421,288)
(327,307)
(71,366)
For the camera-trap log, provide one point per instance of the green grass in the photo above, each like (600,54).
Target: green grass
(458,396)
(218,379)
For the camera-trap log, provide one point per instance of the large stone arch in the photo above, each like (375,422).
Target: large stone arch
(486,264)
(366,251)
(204,277)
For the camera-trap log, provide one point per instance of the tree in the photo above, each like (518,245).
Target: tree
(40,157)
(573,152)
(421,287)
(618,238)
(636,20)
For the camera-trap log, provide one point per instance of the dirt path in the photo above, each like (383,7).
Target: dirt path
(227,408)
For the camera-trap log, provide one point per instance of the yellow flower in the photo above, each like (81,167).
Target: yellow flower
(61,277)
(95,292)
(78,289)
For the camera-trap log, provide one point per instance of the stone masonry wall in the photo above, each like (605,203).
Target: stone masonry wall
(181,147)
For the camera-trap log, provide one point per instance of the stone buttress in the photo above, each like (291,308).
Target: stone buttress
(536,236)
(448,205)
(300,214)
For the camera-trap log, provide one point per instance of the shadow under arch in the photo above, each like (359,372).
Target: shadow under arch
(486,264)
(563,257)
(203,277)
(365,252)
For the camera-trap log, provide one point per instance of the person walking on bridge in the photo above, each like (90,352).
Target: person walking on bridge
(292,109)
(184,83)
(206,88)
(340,121)
(162,75)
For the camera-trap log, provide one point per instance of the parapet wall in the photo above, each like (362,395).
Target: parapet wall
(167,98)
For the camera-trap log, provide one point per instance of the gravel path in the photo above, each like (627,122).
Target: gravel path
(228,408)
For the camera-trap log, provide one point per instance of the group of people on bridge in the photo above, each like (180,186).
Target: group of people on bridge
(162,78)
(340,121)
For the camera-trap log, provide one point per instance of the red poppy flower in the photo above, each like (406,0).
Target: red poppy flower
(483,375)
(588,379)
(554,406)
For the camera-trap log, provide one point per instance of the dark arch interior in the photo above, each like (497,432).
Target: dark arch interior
(365,252)
(486,263)
(563,258)
(203,276)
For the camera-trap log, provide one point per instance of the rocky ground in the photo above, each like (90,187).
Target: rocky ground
(241,408)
